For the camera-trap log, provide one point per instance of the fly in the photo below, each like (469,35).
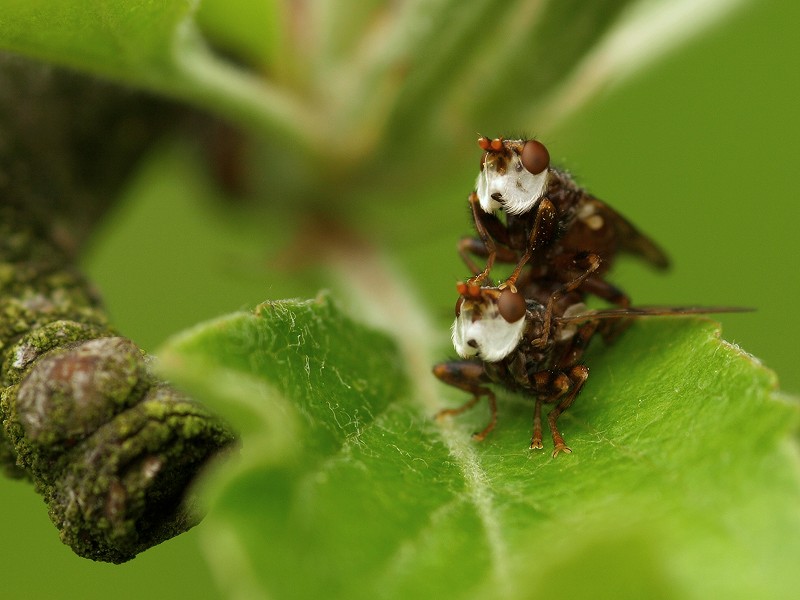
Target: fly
(505,337)
(527,212)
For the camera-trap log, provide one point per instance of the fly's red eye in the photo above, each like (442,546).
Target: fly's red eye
(496,144)
(511,305)
(459,302)
(484,143)
(535,157)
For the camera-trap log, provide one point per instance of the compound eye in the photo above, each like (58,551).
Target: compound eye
(511,305)
(484,143)
(459,302)
(535,157)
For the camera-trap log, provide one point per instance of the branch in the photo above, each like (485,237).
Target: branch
(111,448)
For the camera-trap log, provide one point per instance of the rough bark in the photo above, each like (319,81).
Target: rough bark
(112,449)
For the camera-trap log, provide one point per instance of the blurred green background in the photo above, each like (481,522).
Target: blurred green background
(699,151)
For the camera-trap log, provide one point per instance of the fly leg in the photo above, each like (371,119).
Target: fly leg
(578,376)
(536,438)
(544,231)
(590,263)
(489,229)
(596,286)
(551,384)
(469,376)
(561,385)
(577,345)
(471,246)
(603,289)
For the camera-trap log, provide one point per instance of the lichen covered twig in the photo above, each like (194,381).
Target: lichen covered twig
(112,449)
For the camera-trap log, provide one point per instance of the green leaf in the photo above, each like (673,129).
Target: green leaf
(382,76)
(249,29)
(683,479)
(155,46)
(128,40)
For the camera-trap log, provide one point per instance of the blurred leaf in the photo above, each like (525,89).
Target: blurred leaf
(121,39)
(152,45)
(251,30)
(682,482)
(645,32)
(380,76)
(513,58)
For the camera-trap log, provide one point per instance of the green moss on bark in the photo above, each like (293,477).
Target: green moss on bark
(111,449)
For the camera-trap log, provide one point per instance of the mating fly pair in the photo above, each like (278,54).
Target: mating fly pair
(529,333)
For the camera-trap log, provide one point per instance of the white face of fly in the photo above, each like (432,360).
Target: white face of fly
(504,183)
(480,331)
